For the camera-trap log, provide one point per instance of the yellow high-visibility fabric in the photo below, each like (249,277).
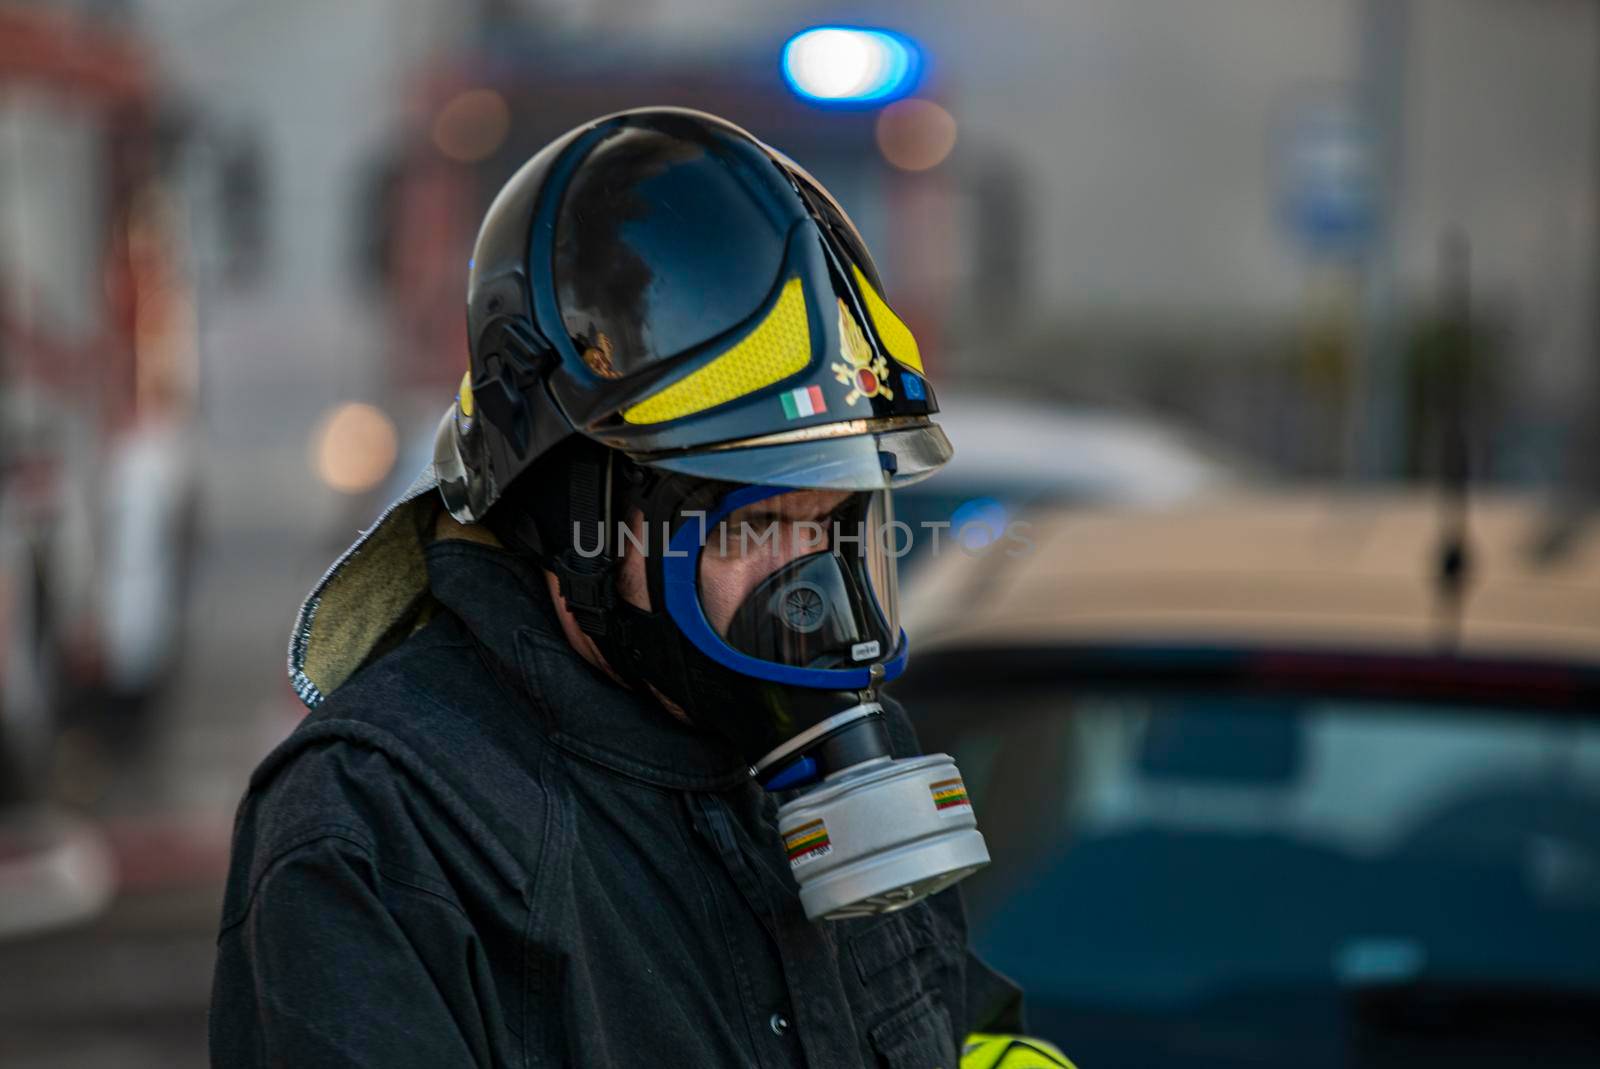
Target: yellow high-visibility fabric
(776,349)
(985,1050)
(896,336)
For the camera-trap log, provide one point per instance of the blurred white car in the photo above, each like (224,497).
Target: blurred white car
(1014,453)
(1075,451)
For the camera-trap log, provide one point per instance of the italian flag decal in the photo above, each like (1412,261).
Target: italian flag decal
(805,401)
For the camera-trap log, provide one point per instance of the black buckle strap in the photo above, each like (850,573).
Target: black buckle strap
(586,577)
(588,588)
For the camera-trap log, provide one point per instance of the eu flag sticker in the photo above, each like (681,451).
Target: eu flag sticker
(911,387)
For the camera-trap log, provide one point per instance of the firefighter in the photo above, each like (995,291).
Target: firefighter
(598,771)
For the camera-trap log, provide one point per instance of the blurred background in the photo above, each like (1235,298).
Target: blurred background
(1277,319)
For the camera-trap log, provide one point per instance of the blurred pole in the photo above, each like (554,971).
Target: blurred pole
(1379,381)
(1589,472)
(1447,388)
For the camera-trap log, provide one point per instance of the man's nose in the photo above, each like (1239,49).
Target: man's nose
(805,537)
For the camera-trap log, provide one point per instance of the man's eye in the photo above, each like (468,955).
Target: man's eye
(734,538)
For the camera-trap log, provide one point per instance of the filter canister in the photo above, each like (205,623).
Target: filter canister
(880,836)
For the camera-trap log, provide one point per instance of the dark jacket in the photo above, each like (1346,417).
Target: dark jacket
(480,851)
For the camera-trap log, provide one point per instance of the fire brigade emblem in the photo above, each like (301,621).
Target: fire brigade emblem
(866,375)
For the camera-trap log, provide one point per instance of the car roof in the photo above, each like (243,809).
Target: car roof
(1303,569)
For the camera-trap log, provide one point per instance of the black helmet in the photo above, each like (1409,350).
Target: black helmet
(693,327)
(661,282)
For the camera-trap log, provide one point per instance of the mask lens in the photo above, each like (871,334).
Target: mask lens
(804,578)
(881,552)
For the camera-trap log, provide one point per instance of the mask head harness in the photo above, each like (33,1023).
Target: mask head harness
(790,678)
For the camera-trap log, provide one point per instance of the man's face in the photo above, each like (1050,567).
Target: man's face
(751,544)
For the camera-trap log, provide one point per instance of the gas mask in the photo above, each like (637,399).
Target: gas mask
(777,624)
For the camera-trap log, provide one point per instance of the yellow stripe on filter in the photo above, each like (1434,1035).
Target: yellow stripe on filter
(895,335)
(776,349)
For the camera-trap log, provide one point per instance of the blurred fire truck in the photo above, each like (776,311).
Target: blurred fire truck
(98,374)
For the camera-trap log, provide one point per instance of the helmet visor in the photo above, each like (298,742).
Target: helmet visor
(867,460)
(804,578)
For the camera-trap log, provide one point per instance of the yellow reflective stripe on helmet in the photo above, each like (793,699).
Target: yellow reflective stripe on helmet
(990,1051)
(895,335)
(776,349)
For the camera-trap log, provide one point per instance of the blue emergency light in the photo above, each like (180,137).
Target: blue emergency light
(844,66)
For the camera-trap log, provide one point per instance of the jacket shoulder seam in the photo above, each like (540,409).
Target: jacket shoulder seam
(302,838)
(389,872)
(365,735)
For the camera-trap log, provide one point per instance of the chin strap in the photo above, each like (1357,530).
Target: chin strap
(646,647)
(574,540)
(643,647)
(640,646)
(585,572)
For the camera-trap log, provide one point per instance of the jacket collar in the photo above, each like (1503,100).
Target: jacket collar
(504,603)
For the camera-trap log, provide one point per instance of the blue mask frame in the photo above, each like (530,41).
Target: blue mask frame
(680,570)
